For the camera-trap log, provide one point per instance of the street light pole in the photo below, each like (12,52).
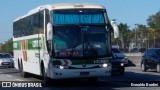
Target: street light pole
(136,35)
(148,41)
(146,46)
(154,41)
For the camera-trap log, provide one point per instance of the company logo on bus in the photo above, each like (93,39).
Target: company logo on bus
(78,6)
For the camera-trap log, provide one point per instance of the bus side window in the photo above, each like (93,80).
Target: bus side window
(46,21)
(41,22)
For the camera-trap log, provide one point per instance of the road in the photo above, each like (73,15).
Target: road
(116,82)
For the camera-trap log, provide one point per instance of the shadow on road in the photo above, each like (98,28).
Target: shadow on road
(129,77)
(133,75)
(6,70)
(74,82)
(130,64)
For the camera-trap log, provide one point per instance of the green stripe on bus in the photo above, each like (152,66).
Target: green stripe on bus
(32,44)
(16,45)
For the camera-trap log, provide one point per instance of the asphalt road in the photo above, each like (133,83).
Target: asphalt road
(133,75)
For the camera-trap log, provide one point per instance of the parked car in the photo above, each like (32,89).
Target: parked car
(136,50)
(151,60)
(142,50)
(6,60)
(118,64)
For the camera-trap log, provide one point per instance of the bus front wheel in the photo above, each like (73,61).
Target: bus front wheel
(46,80)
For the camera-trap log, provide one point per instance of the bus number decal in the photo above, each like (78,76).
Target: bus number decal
(100,61)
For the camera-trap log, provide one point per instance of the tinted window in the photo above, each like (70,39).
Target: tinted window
(146,53)
(157,52)
(87,41)
(142,50)
(115,50)
(149,53)
(134,50)
(5,56)
(152,53)
(29,25)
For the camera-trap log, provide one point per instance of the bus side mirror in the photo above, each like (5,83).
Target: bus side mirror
(115,29)
(49,31)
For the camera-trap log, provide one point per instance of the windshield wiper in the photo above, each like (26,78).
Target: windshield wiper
(92,49)
(73,49)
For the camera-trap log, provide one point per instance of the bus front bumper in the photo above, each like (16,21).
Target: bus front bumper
(80,73)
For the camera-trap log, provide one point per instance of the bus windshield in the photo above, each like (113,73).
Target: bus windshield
(80,41)
(80,34)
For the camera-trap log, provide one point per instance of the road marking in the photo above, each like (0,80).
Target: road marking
(3,74)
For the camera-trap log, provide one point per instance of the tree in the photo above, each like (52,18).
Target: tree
(154,22)
(141,35)
(8,46)
(125,36)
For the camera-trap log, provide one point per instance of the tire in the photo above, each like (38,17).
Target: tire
(158,68)
(22,73)
(19,66)
(46,80)
(143,67)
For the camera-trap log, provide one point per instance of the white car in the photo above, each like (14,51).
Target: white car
(6,60)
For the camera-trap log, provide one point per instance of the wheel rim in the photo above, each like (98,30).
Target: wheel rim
(143,67)
(158,68)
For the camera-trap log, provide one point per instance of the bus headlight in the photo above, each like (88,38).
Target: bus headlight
(61,67)
(105,65)
(122,64)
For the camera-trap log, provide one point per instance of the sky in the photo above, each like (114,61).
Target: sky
(126,11)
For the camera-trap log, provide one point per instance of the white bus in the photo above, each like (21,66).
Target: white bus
(64,41)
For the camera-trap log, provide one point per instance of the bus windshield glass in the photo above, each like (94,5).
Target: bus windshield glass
(80,41)
(80,34)
(83,16)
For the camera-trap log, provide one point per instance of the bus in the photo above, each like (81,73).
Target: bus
(59,41)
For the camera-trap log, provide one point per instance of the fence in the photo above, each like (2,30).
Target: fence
(135,58)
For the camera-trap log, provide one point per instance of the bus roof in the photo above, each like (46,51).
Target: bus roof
(61,6)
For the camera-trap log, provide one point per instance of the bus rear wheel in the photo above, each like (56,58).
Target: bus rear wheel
(22,72)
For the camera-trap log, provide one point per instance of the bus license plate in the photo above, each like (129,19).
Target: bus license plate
(84,73)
